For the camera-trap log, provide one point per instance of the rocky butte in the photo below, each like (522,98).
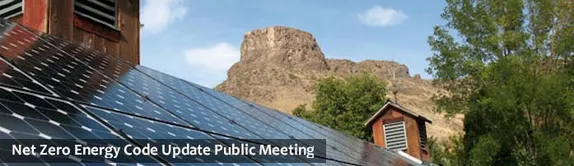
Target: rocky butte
(280,65)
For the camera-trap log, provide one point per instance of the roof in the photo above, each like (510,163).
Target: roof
(390,103)
(51,88)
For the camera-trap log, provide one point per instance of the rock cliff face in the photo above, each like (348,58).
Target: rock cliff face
(280,65)
(282,46)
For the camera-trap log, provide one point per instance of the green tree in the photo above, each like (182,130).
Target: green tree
(508,66)
(447,152)
(346,104)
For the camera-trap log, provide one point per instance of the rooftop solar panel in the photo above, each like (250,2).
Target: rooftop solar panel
(223,110)
(217,116)
(125,94)
(13,77)
(204,95)
(367,152)
(145,129)
(148,93)
(260,114)
(58,69)
(344,153)
(201,114)
(32,116)
(51,88)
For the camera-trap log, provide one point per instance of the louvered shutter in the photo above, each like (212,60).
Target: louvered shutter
(11,8)
(422,134)
(395,136)
(102,11)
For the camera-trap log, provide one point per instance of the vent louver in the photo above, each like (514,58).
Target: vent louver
(101,11)
(10,8)
(395,136)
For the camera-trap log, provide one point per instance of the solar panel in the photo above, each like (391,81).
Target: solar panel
(203,94)
(331,134)
(140,129)
(200,114)
(51,88)
(223,110)
(13,77)
(367,152)
(191,90)
(89,70)
(334,138)
(31,116)
(217,116)
(254,111)
(55,67)
(123,79)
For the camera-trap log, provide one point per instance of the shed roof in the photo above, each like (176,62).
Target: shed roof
(390,103)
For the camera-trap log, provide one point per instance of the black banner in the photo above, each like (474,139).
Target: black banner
(169,151)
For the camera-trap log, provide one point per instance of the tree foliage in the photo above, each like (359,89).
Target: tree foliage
(345,105)
(508,66)
(447,152)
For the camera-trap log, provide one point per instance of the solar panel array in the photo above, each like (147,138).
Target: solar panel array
(51,88)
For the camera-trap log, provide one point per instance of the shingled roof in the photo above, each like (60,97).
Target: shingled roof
(390,103)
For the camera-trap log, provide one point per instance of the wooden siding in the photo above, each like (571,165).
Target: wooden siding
(35,16)
(414,147)
(130,29)
(61,13)
(62,23)
(412,131)
(378,136)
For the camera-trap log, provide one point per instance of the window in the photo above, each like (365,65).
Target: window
(11,8)
(395,136)
(101,11)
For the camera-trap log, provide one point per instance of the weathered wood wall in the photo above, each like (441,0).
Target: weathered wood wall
(35,14)
(130,30)
(411,127)
(57,17)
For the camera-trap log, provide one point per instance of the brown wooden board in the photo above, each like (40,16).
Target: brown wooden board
(35,16)
(129,27)
(60,15)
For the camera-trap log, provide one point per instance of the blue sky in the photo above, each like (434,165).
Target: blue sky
(198,40)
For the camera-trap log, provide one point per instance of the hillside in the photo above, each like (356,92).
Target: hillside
(280,65)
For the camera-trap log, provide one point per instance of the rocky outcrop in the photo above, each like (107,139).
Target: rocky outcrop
(282,46)
(384,69)
(280,65)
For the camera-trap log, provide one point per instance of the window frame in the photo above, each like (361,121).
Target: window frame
(403,124)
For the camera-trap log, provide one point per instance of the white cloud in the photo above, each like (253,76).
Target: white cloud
(210,64)
(382,17)
(157,15)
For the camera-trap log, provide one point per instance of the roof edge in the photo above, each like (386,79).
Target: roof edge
(377,113)
(391,103)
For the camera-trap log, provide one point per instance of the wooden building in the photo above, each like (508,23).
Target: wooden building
(398,129)
(110,26)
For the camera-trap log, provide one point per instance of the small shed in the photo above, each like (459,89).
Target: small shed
(399,129)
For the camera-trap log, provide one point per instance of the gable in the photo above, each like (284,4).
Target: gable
(396,109)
